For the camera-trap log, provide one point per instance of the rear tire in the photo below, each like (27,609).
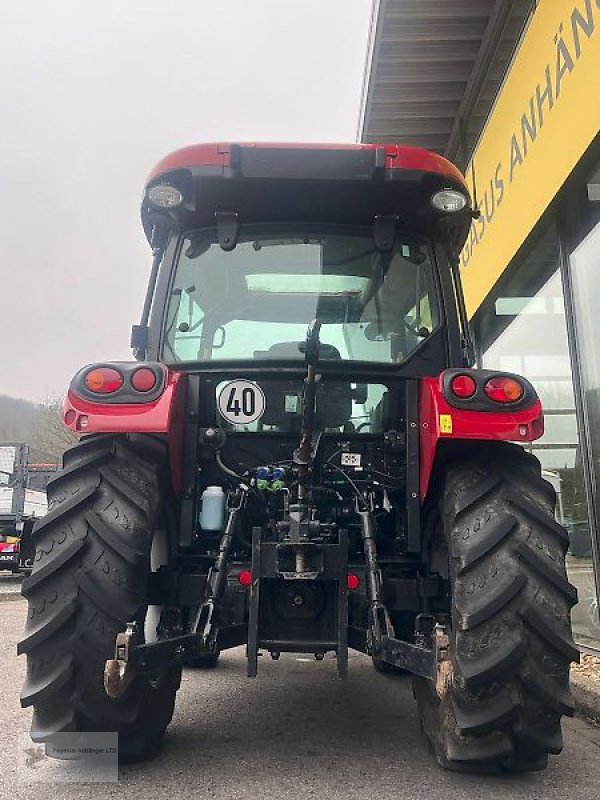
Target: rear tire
(89,579)
(510,644)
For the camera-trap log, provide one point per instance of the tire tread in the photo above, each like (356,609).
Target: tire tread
(89,579)
(511,642)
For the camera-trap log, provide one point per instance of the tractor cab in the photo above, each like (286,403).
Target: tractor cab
(258,240)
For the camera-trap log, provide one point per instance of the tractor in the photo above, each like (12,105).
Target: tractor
(302,457)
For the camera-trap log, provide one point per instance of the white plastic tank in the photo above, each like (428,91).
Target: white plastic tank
(212,515)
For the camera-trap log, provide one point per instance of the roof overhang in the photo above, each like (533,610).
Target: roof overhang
(434,68)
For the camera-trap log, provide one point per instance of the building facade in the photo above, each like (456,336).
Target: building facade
(522,119)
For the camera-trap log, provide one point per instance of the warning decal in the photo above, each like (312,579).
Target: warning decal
(445,423)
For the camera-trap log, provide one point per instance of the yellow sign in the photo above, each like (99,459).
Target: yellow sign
(546,115)
(445,423)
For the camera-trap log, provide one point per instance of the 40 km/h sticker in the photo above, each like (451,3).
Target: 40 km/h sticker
(241,402)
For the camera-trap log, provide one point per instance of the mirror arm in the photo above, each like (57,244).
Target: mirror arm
(468,347)
(139,333)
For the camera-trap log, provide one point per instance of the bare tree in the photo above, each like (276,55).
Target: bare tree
(49,435)
(17,419)
(39,425)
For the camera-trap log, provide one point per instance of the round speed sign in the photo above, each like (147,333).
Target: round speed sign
(241,402)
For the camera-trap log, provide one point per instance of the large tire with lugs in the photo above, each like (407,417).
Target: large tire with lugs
(510,643)
(89,579)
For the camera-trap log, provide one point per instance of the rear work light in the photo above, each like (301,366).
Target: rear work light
(164,196)
(143,379)
(103,380)
(463,386)
(449,200)
(504,390)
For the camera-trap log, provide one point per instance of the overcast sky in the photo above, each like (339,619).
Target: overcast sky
(92,95)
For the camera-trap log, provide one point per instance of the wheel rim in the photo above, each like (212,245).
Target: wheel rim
(159,557)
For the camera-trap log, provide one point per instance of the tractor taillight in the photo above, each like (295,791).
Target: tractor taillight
(463,386)
(119,383)
(245,578)
(504,390)
(143,379)
(103,380)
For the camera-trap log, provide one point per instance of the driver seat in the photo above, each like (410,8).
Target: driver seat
(283,405)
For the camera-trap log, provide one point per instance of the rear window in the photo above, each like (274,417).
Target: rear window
(257,301)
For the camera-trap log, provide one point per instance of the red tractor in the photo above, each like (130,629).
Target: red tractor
(302,458)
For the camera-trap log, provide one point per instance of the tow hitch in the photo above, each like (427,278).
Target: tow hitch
(134,658)
(429,662)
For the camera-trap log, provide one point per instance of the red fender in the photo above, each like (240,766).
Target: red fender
(164,415)
(439,420)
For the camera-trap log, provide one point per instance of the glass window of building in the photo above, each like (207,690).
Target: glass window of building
(521,328)
(585,279)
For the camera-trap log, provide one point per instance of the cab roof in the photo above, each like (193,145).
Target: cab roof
(265,182)
(225,154)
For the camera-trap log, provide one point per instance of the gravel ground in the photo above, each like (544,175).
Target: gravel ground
(295,732)
(589,667)
(585,686)
(10,585)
